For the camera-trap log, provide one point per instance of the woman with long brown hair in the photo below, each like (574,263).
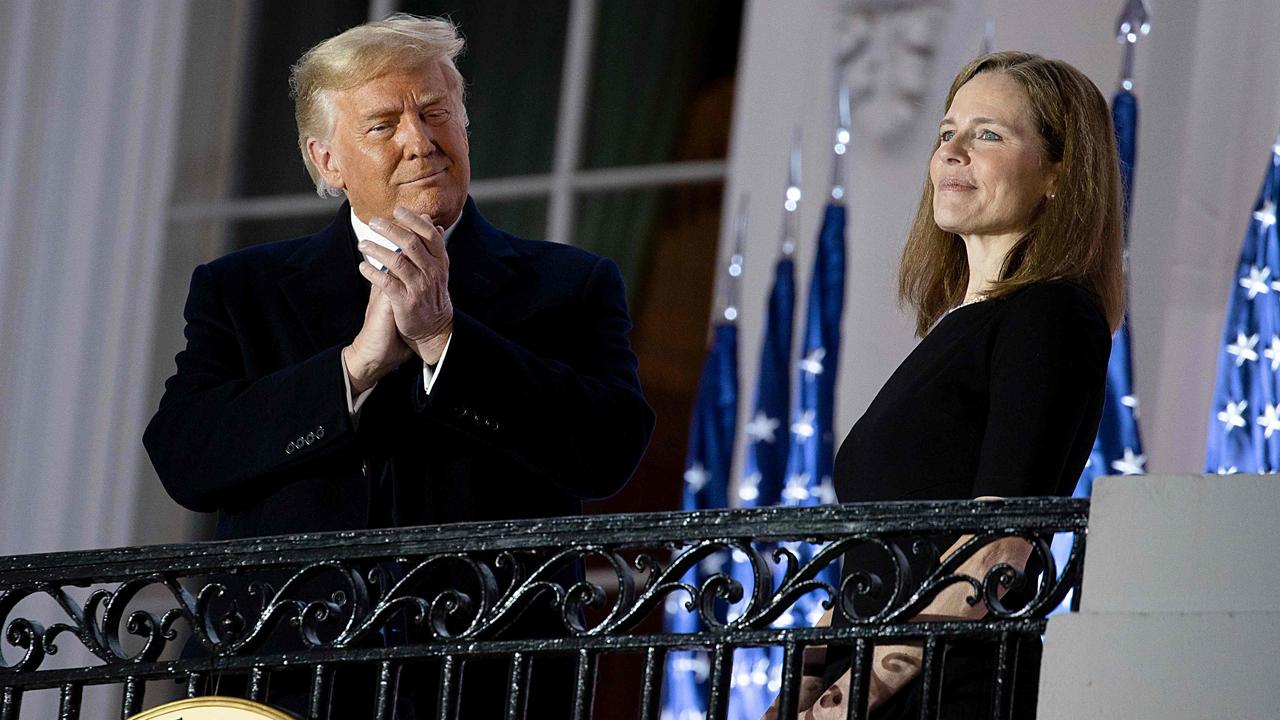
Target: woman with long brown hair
(1013,268)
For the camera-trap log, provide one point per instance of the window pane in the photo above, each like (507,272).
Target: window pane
(512,66)
(281,31)
(244,233)
(666,242)
(523,218)
(660,68)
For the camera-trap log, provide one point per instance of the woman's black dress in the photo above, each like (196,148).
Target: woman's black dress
(1001,398)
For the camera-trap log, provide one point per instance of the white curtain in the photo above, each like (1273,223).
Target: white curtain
(89,93)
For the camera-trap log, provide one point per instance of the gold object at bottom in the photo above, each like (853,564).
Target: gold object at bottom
(213,708)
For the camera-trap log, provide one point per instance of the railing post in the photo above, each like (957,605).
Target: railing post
(931,677)
(721,672)
(10,703)
(321,694)
(517,686)
(792,677)
(386,691)
(256,689)
(451,670)
(651,686)
(194,680)
(131,700)
(860,682)
(69,701)
(584,685)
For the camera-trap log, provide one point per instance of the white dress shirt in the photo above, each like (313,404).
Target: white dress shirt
(429,372)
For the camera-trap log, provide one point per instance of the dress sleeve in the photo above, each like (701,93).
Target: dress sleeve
(1047,376)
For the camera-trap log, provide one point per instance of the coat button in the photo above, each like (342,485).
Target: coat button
(319,432)
(288,449)
(311,438)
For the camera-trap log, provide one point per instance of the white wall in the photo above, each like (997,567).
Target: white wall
(1210,106)
(1179,616)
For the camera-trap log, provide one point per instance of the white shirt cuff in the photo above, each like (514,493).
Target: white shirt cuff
(431,372)
(353,404)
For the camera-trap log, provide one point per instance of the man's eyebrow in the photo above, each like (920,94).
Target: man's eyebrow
(381,112)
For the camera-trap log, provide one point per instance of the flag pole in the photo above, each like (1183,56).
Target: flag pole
(791,198)
(733,271)
(842,139)
(1133,23)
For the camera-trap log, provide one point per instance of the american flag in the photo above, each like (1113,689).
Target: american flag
(1245,416)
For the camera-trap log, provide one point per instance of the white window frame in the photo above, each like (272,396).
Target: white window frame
(560,187)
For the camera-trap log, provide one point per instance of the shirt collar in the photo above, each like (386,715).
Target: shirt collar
(364,232)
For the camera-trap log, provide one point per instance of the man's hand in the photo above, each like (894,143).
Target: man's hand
(377,349)
(416,281)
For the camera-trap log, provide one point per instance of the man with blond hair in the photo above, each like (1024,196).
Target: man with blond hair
(409,364)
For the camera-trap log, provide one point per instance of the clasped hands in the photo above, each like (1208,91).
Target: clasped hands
(409,310)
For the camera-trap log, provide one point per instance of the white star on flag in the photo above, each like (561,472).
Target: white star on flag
(1243,348)
(775,678)
(762,427)
(696,478)
(1272,353)
(826,491)
(797,487)
(1266,215)
(1130,402)
(1256,283)
(812,363)
(752,674)
(1130,464)
(749,488)
(693,662)
(804,426)
(1269,419)
(1232,416)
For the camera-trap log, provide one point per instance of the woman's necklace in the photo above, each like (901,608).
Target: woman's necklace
(968,301)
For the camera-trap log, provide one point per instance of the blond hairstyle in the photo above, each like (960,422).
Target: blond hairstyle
(358,55)
(1076,235)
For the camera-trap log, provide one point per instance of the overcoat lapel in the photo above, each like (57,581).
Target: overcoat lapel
(328,294)
(480,265)
(324,286)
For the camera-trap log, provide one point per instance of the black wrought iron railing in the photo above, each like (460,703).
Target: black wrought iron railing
(438,599)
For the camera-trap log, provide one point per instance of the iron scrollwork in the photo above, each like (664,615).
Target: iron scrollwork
(255,601)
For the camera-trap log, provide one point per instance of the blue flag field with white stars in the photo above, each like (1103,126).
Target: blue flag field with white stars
(1117,450)
(1244,420)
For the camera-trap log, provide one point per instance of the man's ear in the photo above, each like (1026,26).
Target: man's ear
(326,163)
